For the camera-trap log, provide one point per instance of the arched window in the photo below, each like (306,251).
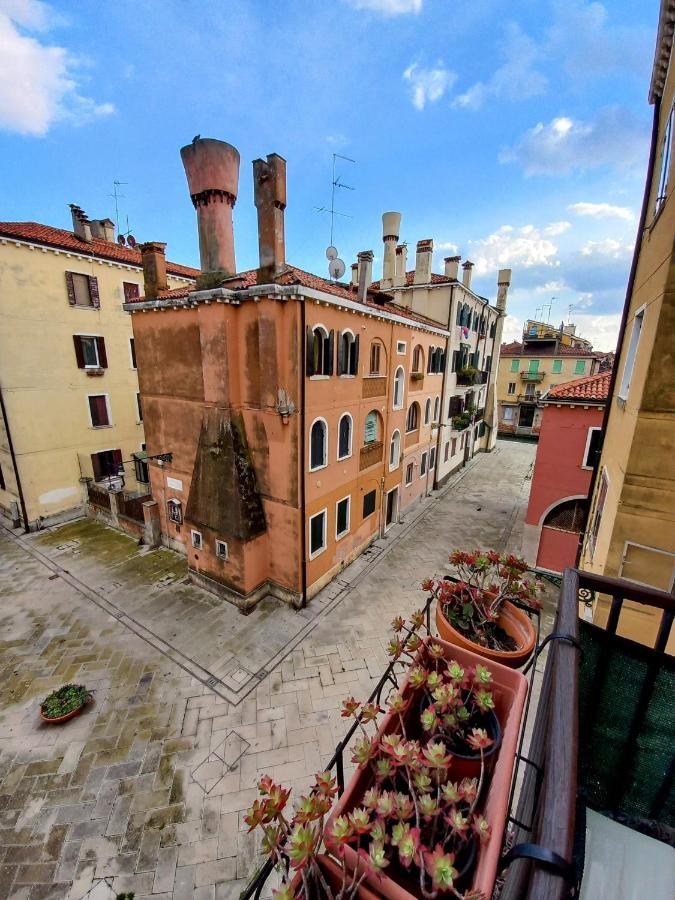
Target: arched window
(395,450)
(371,428)
(432,355)
(318,445)
(319,350)
(412,422)
(427,411)
(417,359)
(437,408)
(345,436)
(567,516)
(348,356)
(398,388)
(375,361)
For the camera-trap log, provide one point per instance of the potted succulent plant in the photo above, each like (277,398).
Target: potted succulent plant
(476,611)
(65,703)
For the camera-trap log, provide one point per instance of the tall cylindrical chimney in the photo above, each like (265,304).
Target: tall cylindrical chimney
(503,283)
(452,266)
(365,258)
(212,169)
(154,268)
(269,187)
(401,265)
(423,258)
(466,276)
(391,227)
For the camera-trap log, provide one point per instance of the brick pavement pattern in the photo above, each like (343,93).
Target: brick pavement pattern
(146,790)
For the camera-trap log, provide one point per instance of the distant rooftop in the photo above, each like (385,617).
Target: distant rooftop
(515,348)
(594,388)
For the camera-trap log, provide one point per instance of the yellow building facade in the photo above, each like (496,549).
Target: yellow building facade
(68,382)
(631,527)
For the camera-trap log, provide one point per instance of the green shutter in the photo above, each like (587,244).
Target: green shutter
(580,367)
(534,365)
(557,366)
(515,365)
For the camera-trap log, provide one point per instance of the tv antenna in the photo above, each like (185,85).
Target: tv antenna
(117,197)
(547,306)
(336,182)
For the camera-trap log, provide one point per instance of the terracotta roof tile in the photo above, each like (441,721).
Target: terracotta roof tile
(410,278)
(515,348)
(66,240)
(593,387)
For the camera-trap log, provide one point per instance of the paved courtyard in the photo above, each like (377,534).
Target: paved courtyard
(146,790)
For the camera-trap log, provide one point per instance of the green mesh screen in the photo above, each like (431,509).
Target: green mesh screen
(626,727)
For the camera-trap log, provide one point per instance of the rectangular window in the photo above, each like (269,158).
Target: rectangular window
(662,192)
(139,406)
(2,480)
(221,550)
(580,367)
(534,366)
(369,504)
(511,388)
(599,508)
(90,352)
(132,352)
(175,508)
(342,510)
(106,463)
(454,446)
(446,452)
(196,538)
(423,465)
(99,411)
(131,291)
(592,449)
(507,414)
(401,348)
(317,534)
(409,473)
(82,290)
(432,458)
(557,366)
(374,358)
(515,365)
(631,354)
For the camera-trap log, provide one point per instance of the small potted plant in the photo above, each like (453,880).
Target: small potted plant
(65,703)
(417,376)
(477,611)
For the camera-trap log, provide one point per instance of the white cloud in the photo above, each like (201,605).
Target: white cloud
(602,331)
(516,248)
(428,85)
(556,228)
(513,329)
(37,82)
(602,211)
(516,79)
(388,7)
(614,138)
(607,247)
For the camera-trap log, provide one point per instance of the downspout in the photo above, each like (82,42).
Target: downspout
(22,502)
(624,321)
(303,459)
(487,383)
(444,389)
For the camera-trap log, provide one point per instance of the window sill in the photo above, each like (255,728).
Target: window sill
(319,377)
(317,553)
(83,306)
(319,468)
(346,375)
(343,458)
(374,375)
(338,537)
(621,402)
(99,427)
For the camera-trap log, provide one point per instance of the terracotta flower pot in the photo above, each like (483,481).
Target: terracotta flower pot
(332,872)
(509,690)
(59,719)
(515,623)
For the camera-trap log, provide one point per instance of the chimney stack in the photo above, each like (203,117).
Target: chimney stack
(365,258)
(401,265)
(103,230)
(425,251)
(212,169)
(503,284)
(466,276)
(269,189)
(452,266)
(154,268)
(355,274)
(81,224)
(391,226)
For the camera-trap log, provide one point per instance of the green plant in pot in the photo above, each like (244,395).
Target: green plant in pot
(65,703)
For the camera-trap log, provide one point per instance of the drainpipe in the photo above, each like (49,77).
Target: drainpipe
(487,383)
(444,387)
(303,459)
(624,321)
(22,502)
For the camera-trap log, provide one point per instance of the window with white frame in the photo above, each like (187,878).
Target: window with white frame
(418,359)
(318,445)
(432,458)
(409,473)
(348,354)
(592,448)
(401,348)
(395,450)
(437,408)
(412,422)
(222,550)
(371,428)
(423,464)
(507,414)
(631,353)
(446,452)
(90,351)
(317,533)
(196,539)
(375,358)
(666,150)
(597,514)
(345,436)
(132,352)
(427,411)
(319,351)
(511,388)
(342,515)
(398,388)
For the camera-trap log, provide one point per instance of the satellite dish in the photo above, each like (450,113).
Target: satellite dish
(336,267)
(131,240)
(120,240)
(331,253)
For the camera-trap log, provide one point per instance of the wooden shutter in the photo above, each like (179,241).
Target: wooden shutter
(96,466)
(93,291)
(117,459)
(131,291)
(132,345)
(79,352)
(331,351)
(309,352)
(356,355)
(455,357)
(459,314)
(102,358)
(343,358)
(70,287)
(453,407)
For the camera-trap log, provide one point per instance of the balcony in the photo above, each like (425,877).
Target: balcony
(375,386)
(416,381)
(535,377)
(468,376)
(411,438)
(370,455)
(529,398)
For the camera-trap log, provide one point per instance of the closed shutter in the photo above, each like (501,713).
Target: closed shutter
(343,352)
(356,355)
(102,358)
(454,407)
(455,359)
(96,466)
(131,291)
(70,287)
(331,351)
(117,460)
(309,351)
(79,352)
(93,290)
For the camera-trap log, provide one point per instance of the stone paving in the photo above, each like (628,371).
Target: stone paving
(146,790)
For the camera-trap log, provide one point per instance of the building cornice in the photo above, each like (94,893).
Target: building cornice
(662,52)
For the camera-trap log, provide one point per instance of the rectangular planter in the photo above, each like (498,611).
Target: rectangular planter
(509,690)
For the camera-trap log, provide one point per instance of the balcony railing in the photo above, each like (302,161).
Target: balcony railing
(602,739)
(370,454)
(532,376)
(484,375)
(468,378)
(529,398)
(375,386)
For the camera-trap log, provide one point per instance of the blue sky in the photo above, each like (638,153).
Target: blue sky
(513,133)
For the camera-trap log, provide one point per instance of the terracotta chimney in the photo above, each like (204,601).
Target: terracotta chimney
(452,266)
(503,284)
(81,224)
(269,190)
(425,251)
(391,226)
(212,169)
(355,274)
(365,258)
(401,265)
(466,276)
(154,269)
